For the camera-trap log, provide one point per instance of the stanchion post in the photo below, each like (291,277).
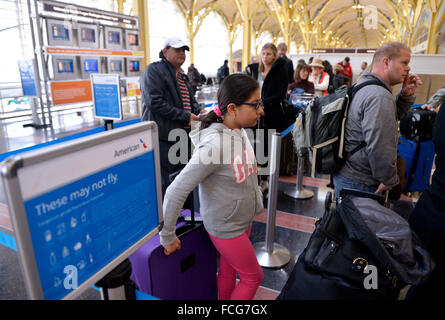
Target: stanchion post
(298,192)
(268,253)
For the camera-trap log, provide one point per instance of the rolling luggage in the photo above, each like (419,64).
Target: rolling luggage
(419,158)
(186,274)
(359,234)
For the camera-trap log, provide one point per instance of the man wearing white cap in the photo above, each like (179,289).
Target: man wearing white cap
(167,99)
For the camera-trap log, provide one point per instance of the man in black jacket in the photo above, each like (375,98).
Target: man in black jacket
(167,99)
(282,50)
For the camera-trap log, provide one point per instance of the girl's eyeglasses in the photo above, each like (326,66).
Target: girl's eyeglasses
(255,105)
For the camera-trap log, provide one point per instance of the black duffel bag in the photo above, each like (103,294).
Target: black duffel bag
(332,265)
(417,125)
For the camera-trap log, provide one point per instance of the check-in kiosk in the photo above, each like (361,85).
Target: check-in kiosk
(65,67)
(132,39)
(90,65)
(59,32)
(133,66)
(78,209)
(116,65)
(113,39)
(87,36)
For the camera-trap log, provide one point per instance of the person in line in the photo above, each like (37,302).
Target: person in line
(428,217)
(339,78)
(372,122)
(282,50)
(223,71)
(229,193)
(167,99)
(346,68)
(319,78)
(301,80)
(272,77)
(252,68)
(194,78)
(328,69)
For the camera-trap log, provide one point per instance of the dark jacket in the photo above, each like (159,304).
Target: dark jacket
(428,218)
(306,85)
(273,94)
(290,69)
(252,70)
(161,98)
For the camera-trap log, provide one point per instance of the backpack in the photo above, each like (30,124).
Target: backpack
(320,128)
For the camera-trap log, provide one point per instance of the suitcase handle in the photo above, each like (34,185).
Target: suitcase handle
(364,194)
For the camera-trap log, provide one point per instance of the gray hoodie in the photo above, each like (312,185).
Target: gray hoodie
(372,117)
(224,165)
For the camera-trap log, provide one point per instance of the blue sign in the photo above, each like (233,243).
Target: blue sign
(86,224)
(28,79)
(107,100)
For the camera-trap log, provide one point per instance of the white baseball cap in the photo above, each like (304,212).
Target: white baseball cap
(176,43)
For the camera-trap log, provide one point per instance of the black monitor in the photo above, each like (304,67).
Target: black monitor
(89,65)
(65,67)
(134,66)
(59,33)
(132,39)
(116,65)
(87,36)
(113,38)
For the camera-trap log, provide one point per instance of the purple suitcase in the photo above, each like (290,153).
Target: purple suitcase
(187,274)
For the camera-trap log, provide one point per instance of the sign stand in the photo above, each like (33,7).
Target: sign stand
(117,284)
(109,125)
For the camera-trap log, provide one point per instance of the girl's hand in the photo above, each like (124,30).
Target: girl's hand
(175,245)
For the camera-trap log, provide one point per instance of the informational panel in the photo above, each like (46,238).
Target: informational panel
(27,70)
(80,208)
(106,96)
(67,92)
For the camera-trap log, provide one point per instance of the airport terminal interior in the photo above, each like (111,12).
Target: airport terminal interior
(53,49)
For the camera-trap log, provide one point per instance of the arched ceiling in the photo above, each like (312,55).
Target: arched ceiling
(315,23)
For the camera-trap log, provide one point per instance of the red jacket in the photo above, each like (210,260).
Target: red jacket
(347,70)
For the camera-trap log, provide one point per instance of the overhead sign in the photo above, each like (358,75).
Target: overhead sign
(70,10)
(106,96)
(82,207)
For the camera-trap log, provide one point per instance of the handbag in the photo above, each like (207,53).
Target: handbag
(333,265)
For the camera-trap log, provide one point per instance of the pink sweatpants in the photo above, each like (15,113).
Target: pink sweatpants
(237,256)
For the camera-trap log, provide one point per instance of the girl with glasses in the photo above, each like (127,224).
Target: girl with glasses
(224,166)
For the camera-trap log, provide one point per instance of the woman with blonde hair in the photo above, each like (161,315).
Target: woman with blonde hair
(273,80)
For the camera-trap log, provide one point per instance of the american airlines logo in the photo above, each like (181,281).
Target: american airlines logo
(132,148)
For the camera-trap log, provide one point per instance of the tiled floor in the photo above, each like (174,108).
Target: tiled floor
(295,219)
